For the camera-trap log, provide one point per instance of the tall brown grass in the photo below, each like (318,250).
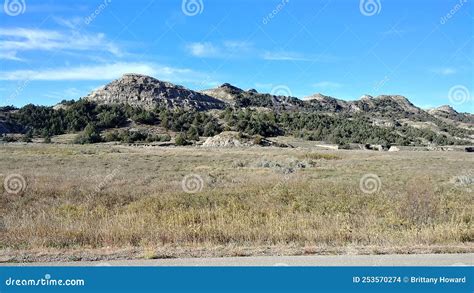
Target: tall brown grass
(143,203)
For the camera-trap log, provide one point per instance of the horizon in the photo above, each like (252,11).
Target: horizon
(50,51)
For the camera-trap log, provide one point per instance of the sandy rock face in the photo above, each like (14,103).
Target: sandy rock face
(394,149)
(227,139)
(144,91)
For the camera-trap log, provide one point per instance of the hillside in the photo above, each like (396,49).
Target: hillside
(240,98)
(141,108)
(449,114)
(148,92)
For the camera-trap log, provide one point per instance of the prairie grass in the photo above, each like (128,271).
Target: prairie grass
(112,196)
(319,156)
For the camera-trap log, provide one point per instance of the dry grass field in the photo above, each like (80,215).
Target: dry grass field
(107,201)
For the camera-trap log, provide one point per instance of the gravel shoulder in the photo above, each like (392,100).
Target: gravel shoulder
(322,260)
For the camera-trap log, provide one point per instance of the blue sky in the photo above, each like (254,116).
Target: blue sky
(422,49)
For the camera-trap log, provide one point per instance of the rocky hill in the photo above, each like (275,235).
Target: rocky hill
(147,92)
(393,105)
(383,110)
(386,119)
(448,113)
(226,93)
(238,97)
(326,103)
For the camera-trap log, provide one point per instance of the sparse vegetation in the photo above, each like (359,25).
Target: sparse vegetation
(341,129)
(319,156)
(141,202)
(181,139)
(90,135)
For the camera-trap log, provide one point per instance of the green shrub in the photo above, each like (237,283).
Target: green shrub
(91,134)
(181,139)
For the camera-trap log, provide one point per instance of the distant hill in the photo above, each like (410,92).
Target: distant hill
(237,97)
(135,100)
(448,113)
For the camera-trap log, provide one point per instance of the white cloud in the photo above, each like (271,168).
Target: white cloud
(105,72)
(225,50)
(327,84)
(25,39)
(294,56)
(284,56)
(445,71)
(72,23)
(203,50)
(69,93)
(53,8)
(237,45)
(10,55)
(239,49)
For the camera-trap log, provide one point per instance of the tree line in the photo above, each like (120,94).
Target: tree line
(96,122)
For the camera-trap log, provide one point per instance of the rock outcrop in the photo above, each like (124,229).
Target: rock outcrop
(226,93)
(228,139)
(394,149)
(147,92)
(235,139)
(327,103)
(251,98)
(448,113)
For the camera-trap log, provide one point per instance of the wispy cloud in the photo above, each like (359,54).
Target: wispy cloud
(71,23)
(10,55)
(284,56)
(327,84)
(105,72)
(203,50)
(445,71)
(225,49)
(69,93)
(241,49)
(55,7)
(17,39)
(241,46)
(395,31)
(295,56)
